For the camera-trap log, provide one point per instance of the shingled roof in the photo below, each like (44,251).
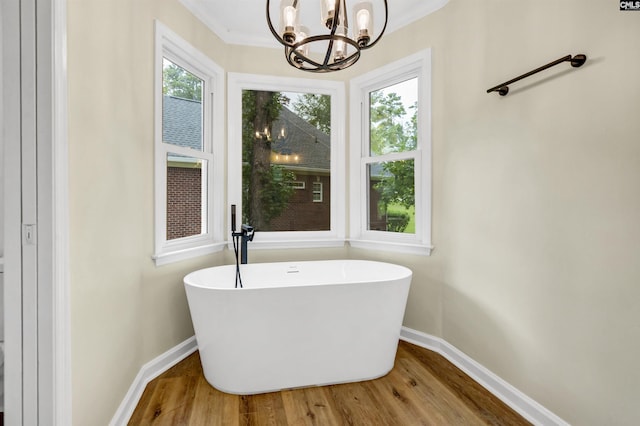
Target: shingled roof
(304,147)
(302,139)
(182,122)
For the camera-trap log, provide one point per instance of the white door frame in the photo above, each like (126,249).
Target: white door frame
(37,326)
(12,215)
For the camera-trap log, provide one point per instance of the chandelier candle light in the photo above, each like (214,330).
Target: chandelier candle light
(332,51)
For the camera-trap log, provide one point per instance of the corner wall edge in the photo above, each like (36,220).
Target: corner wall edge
(147,373)
(514,398)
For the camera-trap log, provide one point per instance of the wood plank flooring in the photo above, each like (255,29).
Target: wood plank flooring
(422,389)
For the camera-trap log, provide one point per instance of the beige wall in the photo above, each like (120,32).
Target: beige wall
(125,311)
(535,198)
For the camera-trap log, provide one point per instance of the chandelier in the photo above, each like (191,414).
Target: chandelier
(334,50)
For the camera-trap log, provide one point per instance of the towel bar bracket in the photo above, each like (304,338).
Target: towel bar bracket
(578,60)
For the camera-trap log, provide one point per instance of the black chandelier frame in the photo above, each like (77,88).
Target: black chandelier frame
(295,57)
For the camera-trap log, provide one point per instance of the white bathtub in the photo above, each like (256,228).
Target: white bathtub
(297,324)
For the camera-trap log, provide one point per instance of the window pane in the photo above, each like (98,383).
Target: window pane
(181,106)
(317,192)
(186,196)
(392,196)
(286,155)
(393,118)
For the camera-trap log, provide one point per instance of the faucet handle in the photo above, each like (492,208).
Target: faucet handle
(249,231)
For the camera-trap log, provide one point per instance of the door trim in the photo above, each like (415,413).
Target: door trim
(37,314)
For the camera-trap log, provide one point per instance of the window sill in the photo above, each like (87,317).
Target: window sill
(184,254)
(293,244)
(417,249)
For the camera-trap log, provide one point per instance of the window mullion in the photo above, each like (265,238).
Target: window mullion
(395,156)
(188,152)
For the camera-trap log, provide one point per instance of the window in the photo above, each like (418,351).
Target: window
(188,152)
(285,160)
(390,157)
(301,185)
(317,192)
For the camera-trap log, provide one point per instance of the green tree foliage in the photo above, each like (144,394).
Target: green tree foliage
(266,188)
(396,185)
(178,82)
(389,130)
(316,109)
(390,133)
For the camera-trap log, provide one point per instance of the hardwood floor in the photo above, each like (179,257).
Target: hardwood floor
(422,389)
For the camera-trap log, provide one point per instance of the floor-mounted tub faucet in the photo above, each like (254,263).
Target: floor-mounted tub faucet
(240,241)
(245,235)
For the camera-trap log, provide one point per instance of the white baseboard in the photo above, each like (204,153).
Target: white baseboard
(148,372)
(518,401)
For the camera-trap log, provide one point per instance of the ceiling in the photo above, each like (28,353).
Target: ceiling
(244,21)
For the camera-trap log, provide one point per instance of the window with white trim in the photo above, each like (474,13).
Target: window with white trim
(317,192)
(189,133)
(287,133)
(390,157)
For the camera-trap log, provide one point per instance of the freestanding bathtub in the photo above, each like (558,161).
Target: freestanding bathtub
(297,324)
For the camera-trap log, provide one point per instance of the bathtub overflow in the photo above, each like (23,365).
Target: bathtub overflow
(292,270)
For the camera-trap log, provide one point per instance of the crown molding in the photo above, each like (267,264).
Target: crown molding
(215,21)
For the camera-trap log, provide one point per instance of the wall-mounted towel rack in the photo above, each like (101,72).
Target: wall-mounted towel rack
(576,61)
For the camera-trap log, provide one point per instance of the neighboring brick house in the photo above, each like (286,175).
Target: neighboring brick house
(182,126)
(377,216)
(306,151)
(309,209)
